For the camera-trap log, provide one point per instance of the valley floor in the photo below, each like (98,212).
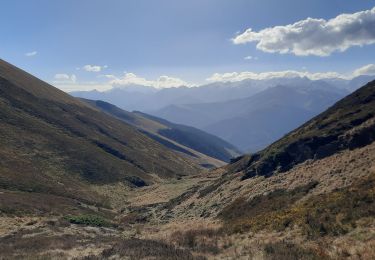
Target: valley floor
(322,209)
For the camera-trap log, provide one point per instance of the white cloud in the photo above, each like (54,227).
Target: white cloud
(70,83)
(133,79)
(94,68)
(168,82)
(62,76)
(109,76)
(30,54)
(239,76)
(365,70)
(250,58)
(83,86)
(318,37)
(65,78)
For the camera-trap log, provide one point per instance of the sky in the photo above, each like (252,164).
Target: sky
(99,44)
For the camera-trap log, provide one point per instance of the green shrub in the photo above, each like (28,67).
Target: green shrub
(89,220)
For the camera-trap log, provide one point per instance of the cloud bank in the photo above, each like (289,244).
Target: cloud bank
(133,79)
(365,70)
(69,83)
(317,37)
(239,76)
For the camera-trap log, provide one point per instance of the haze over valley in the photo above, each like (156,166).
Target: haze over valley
(250,114)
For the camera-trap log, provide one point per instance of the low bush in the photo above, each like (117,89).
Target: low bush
(333,213)
(288,251)
(263,211)
(200,240)
(147,249)
(133,218)
(89,220)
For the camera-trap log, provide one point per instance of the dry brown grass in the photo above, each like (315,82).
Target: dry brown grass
(189,230)
(147,249)
(334,172)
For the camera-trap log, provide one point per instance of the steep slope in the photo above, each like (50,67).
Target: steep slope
(183,139)
(196,139)
(52,143)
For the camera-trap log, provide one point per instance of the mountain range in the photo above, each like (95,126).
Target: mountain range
(254,122)
(249,114)
(208,150)
(148,99)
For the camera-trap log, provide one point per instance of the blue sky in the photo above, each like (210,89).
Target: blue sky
(187,40)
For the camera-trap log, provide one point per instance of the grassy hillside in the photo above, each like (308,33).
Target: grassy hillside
(51,143)
(196,139)
(174,136)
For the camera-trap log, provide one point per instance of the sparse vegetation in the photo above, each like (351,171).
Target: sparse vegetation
(200,240)
(289,251)
(333,213)
(141,249)
(89,220)
(133,218)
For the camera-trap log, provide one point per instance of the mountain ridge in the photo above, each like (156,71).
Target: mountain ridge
(167,133)
(254,122)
